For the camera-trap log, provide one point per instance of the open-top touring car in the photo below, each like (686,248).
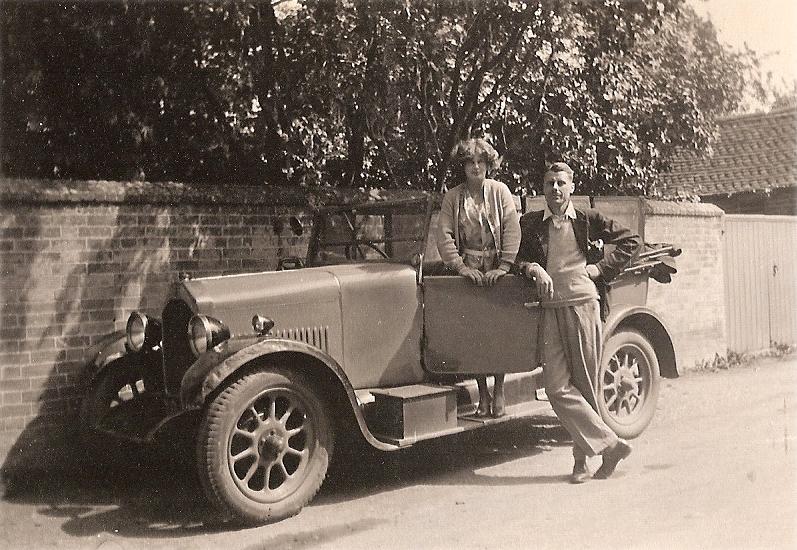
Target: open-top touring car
(367,337)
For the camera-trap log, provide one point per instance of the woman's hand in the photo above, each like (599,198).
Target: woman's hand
(476,276)
(492,276)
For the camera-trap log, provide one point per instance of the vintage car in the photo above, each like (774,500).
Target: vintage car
(367,338)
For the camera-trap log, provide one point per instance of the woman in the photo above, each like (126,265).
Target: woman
(479,235)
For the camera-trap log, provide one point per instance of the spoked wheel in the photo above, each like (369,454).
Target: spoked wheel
(264,446)
(628,383)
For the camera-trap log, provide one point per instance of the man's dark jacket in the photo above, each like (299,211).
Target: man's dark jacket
(590,226)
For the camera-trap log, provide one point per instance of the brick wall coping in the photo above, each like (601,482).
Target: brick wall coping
(43,192)
(34,191)
(686,209)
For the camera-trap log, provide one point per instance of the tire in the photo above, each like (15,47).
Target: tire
(264,446)
(628,383)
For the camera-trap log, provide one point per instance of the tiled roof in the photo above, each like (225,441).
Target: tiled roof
(752,153)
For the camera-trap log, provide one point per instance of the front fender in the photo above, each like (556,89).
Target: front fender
(651,325)
(214,367)
(109,348)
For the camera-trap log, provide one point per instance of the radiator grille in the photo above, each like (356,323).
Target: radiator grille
(315,336)
(177,354)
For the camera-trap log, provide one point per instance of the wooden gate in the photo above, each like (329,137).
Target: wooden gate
(760,257)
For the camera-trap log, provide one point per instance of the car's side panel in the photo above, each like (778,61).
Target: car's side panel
(628,291)
(479,330)
(304,304)
(382,324)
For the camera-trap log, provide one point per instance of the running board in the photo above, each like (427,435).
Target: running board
(470,422)
(411,413)
(404,415)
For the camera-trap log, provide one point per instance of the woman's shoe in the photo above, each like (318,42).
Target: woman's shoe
(484,397)
(483,411)
(499,407)
(499,401)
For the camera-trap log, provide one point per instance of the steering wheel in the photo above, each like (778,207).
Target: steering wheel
(355,250)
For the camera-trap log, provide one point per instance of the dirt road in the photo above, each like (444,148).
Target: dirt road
(716,469)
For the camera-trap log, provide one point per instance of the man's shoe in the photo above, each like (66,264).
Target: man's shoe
(580,472)
(611,457)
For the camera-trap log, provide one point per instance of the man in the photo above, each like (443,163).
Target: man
(561,250)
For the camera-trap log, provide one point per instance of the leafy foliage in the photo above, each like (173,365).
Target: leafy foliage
(358,92)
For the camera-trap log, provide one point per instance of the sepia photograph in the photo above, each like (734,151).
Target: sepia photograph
(398,274)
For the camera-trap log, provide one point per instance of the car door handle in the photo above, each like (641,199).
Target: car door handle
(530,305)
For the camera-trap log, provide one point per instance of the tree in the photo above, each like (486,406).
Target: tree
(360,92)
(138,90)
(84,93)
(635,82)
(612,87)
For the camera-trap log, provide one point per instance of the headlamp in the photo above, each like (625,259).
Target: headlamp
(142,331)
(205,333)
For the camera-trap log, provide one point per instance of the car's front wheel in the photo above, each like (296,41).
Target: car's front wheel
(628,383)
(264,446)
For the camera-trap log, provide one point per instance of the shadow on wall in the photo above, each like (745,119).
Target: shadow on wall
(103,262)
(18,286)
(96,286)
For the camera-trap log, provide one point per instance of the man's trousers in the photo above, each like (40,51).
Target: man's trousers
(571,340)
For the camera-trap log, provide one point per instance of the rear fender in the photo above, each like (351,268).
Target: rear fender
(650,325)
(213,368)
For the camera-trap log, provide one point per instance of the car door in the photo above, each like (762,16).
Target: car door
(479,330)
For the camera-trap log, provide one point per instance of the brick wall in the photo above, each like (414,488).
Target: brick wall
(693,304)
(77,258)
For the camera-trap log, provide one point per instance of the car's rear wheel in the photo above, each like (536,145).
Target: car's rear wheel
(264,446)
(628,383)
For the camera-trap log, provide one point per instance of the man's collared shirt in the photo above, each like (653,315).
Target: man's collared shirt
(559,221)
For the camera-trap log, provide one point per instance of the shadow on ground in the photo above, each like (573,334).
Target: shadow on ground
(449,460)
(153,491)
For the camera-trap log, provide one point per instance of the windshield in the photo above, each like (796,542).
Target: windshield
(377,232)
